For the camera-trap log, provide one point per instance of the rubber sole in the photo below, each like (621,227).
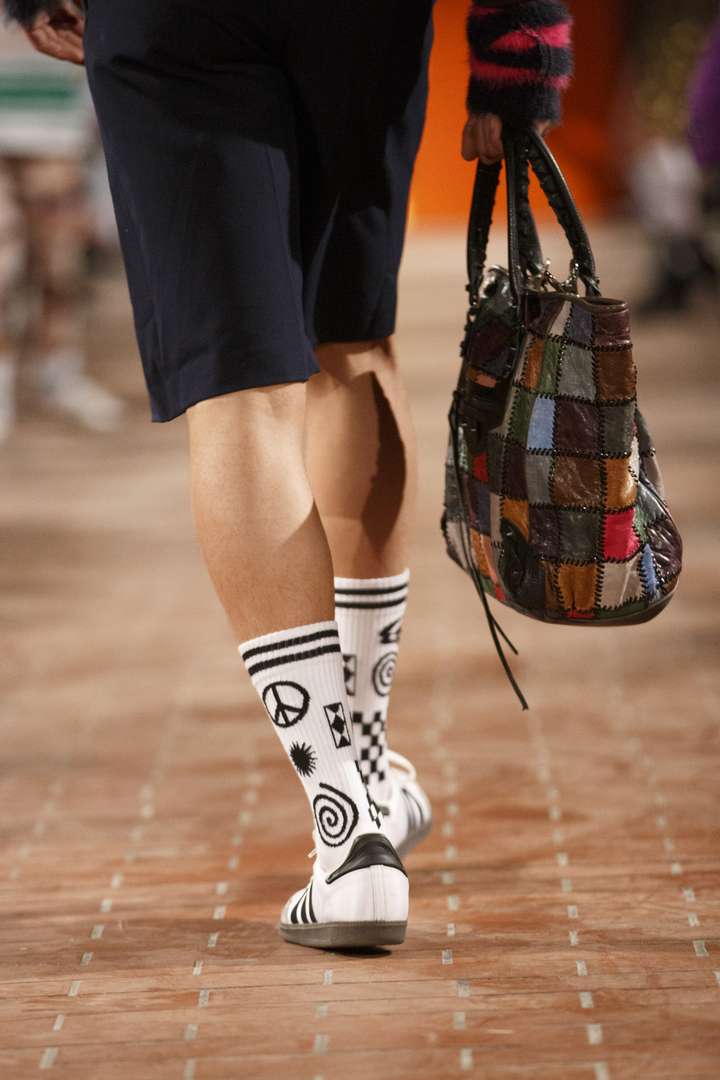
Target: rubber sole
(344,935)
(413,840)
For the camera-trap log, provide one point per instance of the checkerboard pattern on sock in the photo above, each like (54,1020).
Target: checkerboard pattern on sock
(369,613)
(298,674)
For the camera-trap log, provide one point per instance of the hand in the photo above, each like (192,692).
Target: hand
(60,33)
(482,137)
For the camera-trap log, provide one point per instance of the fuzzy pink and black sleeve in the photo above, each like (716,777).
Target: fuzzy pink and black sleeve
(520,59)
(25,11)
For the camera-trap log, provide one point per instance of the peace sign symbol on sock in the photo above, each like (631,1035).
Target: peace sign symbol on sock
(286,703)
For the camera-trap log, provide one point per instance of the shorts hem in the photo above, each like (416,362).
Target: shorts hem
(177,405)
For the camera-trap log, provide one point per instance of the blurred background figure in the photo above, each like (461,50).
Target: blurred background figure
(665,177)
(705,103)
(46,135)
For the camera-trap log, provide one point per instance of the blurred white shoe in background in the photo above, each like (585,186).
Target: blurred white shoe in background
(63,385)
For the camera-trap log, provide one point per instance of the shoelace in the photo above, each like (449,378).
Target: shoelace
(313,853)
(397,760)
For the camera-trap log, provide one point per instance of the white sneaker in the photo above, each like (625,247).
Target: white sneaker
(64,386)
(361,904)
(407,814)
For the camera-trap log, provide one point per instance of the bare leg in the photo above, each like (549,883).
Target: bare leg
(360,452)
(257,523)
(11,259)
(56,214)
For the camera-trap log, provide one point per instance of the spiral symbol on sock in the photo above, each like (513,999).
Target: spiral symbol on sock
(336,815)
(383,672)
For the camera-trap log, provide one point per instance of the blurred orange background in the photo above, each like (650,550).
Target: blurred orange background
(583,145)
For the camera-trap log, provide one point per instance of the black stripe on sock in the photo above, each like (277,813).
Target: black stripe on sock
(379,604)
(286,643)
(276,661)
(371,592)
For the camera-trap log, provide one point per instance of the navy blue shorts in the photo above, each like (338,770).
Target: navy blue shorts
(260,154)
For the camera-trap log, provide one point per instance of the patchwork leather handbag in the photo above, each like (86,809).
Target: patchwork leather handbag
(554,502)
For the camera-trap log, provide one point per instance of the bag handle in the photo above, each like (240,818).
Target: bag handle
(524,149)
(558,194)
(487,178)
(528,145)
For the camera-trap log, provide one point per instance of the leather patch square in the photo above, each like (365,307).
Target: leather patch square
(533,362)
(620,485)
(617,423)
(547,383)
(611,325)
(552,598)
(479,504)
(577,427)
(537,474)
(576,482)
(580,325)
(616,374)
(621,582)
(640,522)
(480,555)
(490,347)
(619,538)
(577,586)
(495,534)
(516,510)
(480,467)
(579,535)
(543,310)
(541,432)
(666,548)
(561,319)
(514,478)
(577,373)
(545,531)
(649,572)
(520,418)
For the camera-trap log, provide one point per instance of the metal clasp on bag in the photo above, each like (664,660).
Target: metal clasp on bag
(546,279)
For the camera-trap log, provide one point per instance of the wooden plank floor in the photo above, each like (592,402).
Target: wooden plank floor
(566,908)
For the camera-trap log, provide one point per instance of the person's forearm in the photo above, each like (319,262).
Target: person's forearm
(520,59)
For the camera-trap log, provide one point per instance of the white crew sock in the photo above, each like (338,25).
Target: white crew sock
(298,674)
(369,613)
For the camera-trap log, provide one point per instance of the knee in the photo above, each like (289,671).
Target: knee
(271,416)
(346,360)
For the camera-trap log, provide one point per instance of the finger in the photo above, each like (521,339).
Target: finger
(468,147)
(494,136)
(482,143)
(73,42)
(46,40)
(492,147)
